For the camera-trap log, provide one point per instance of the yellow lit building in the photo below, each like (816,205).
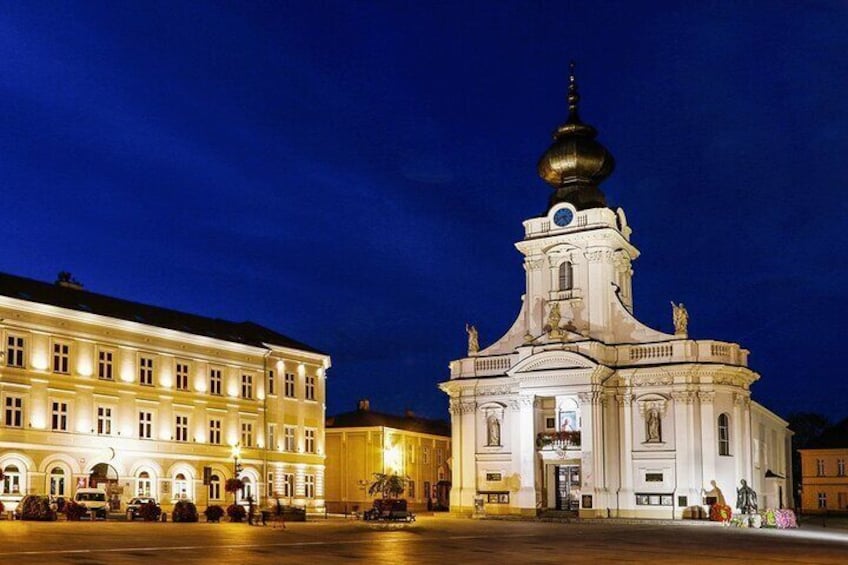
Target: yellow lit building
(146,401)
(824,472)
(362,443)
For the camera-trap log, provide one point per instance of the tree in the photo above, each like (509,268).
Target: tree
(389,486)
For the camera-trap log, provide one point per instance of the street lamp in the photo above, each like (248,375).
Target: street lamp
(236,468)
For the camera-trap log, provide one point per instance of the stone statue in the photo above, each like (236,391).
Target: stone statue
(746,499)
(473,342)
(716,493)
(654,425)
(494,431)
(554,318)
(680,317)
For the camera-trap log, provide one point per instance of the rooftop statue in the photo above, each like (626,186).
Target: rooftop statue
(473,341)
(680,317)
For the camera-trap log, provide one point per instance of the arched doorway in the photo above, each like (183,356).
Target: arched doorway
(105,476)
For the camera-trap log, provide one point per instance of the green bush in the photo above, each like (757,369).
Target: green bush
(184,511)
(36,507)
(214,513)
(75,511)
(149,511)
(236,512)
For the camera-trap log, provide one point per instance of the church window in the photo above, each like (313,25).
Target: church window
(723,434)
(565,276)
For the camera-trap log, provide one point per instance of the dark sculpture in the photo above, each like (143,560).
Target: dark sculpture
(746,499)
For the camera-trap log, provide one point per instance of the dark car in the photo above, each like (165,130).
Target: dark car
(136,503)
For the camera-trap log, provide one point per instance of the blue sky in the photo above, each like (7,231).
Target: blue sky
(354,174)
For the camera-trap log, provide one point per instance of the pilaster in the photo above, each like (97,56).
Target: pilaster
(526,499)
(626,500)
(709,444)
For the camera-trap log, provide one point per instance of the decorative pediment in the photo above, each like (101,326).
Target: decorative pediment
(553,361)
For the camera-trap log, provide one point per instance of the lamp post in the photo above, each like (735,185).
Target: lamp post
(236,468)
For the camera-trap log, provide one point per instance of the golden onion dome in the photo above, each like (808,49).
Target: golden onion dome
(575,164)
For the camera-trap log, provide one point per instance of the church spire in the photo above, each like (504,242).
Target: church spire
(575,164)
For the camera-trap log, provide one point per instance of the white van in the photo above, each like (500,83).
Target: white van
(95,500)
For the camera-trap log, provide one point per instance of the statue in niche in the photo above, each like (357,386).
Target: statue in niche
(473,341)
(493,435)
(554,318)
(746,499)
(680,317)
(654,433)
(715,493)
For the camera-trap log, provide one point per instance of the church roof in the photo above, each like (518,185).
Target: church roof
(73,297)
(370,419)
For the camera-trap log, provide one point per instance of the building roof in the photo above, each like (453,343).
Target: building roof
(73,297)
(369,419)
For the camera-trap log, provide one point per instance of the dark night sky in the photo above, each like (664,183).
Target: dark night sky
(355,174)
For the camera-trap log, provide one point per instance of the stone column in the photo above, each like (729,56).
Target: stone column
(463,450)
(744,430)
(626,500)
(591,445)
(688,477)
(736,437)
(526,499)
(709,444)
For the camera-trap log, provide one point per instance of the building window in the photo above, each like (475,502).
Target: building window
(410,488)
(823,500)
(309,440)
(247,386)
(309,486)
(145,425)
(247,434)
(269,488)
(247,489)
(272,383)
(14,411)
(215,380)
(723,434)
(59,416)
(288,438)
(288,485)
(290,385)
(181,428)
(104,420)
(271,442)
(214,487)
(425,455)
(182,376)
(104,365)
(11,480)
(550,423)
(565,276)
(15,351)
(840,467)
(820,467)
(145,370)
(144,484)
(215,432)
(310,387)
(439,456)
(61,357)
(180,487)
(57,482)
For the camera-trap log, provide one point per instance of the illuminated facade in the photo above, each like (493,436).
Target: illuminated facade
(580,406)
(363,442)
(824,472)
(142,400)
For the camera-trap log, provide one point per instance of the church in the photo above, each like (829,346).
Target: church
(580,407)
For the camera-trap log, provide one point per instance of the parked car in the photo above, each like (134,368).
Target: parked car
(95,501)
(136,503)
(389,510)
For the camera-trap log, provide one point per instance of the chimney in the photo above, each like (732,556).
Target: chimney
(364,405)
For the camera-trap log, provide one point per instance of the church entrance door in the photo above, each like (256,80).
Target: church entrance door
(567,479)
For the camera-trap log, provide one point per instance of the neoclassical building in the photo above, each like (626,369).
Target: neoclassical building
(144,400)
(580,406)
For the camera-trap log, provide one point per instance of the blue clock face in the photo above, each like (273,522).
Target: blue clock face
(563,217)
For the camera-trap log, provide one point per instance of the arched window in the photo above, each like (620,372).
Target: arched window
(144,485)
(247,490)
(11,480)
(214,487)
(180,487)
(566,281)
(723,434)
(57,481)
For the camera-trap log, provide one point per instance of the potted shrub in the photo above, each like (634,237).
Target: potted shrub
(184,511)
(213,513)
(74,510)
(150,511)
(236,512)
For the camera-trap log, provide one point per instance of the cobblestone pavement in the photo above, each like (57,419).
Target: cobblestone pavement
(443,540)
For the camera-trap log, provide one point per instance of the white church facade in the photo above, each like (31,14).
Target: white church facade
(579,406)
